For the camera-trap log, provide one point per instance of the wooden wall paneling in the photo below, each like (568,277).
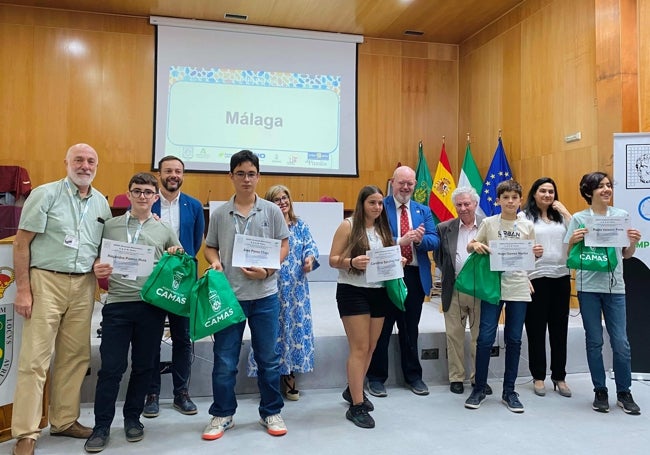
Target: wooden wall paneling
(617,73)
(442,113)
(481,101)
(643,31)
(15,86)
(539,91)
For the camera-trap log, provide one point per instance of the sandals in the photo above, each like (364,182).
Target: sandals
(289,387)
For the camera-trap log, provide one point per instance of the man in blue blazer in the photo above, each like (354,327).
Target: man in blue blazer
(185,215)
(415,231)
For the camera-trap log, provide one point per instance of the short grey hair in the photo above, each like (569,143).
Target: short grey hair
(465,190)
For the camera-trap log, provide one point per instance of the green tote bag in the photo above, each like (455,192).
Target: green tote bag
(170,283)
(397,292)
(476,279)
(213,305)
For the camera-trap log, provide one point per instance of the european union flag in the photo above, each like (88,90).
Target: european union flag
(498,172)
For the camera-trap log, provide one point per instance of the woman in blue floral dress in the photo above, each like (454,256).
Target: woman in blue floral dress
(295,342)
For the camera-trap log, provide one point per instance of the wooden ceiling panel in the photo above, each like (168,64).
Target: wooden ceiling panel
(442,21)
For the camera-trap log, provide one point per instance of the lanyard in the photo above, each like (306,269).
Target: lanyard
(135,237)
(84,202)
(235,218)
(248,220)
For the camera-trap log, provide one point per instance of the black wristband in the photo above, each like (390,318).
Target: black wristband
(352,267)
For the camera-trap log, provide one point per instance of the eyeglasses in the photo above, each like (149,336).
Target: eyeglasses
(243,175)
(408,183)
(281,199)
(148,194)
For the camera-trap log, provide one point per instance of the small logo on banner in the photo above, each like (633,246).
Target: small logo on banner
(7,277)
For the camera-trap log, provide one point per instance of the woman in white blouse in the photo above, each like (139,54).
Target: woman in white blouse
(551,287)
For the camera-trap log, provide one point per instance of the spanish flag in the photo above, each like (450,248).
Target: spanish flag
(443,185)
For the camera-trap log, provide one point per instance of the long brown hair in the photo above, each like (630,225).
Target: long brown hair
(358,241)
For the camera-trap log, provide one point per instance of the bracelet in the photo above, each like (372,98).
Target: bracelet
(267,273)
(352,267)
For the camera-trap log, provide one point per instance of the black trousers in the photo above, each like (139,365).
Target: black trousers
(549,308)
(137,325)
(179,327)
(408,332)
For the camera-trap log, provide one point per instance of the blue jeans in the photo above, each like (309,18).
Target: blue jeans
(515,317)
(262,315)
(612,307)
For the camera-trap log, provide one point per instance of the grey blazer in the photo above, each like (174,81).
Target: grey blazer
(445,257)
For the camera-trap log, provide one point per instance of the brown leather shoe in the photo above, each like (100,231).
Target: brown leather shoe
(76,430)
(24,446)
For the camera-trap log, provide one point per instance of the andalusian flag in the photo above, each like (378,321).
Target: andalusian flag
(470,176)
(443,185)
(423,176)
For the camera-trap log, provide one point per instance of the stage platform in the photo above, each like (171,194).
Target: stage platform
(331,352)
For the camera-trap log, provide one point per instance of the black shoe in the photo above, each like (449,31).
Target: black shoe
(183,404)
(359,416)
(456,387)
(511,400)
(347,396)
(98,440)
(601,401)
(626,402)
(418,387)
(487,390)
(133,430)
(151,408)
(475,399)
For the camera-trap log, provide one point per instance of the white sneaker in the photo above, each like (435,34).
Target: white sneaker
(274,425)
(216,427)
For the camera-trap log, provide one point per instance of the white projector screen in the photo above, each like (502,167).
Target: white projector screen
(287,95)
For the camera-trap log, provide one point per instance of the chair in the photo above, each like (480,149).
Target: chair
(121,201)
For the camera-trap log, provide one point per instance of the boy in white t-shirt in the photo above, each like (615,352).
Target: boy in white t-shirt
(515,294)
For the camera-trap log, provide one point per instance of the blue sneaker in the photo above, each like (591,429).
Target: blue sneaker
(511,400)
(475,399)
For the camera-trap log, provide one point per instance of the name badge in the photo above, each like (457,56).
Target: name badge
(71,241)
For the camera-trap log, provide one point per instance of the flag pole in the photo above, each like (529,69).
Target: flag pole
(499,133)
(468,141)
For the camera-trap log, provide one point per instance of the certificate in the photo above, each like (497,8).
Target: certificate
(251,251)
(128,259)
(607,231)
(511,255)
(385,264)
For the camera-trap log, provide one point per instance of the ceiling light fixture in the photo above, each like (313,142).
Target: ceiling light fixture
(413,33)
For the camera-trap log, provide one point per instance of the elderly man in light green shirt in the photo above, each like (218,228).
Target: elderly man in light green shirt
(58,237)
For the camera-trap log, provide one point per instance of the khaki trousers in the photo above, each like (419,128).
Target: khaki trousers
(463,309)
(60,323)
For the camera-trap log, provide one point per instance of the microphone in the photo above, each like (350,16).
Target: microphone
(207,201)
